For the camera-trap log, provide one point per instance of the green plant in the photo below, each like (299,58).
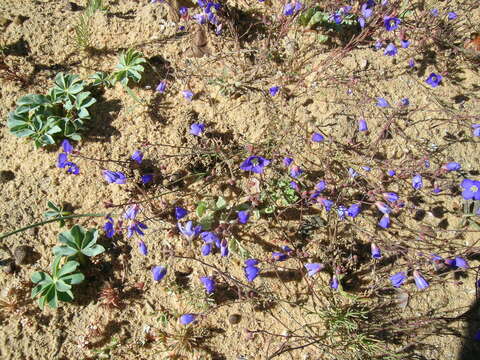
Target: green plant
(51,289)
(78,244)
(101,78)
(82,29)
(279,193)
(59,114)
(56,212)
(129,67)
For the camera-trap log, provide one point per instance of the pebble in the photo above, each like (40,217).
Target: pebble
(9,267)
(234,319)
(22,254)
(6,176)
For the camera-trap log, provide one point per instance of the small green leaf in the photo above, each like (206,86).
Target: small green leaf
(221,203)
(68,268)
(201,208)
(94,250)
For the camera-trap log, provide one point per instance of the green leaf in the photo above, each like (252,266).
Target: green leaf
(51,297)
(221,203)
(64,251)
(65,237)
(68,268)
(62,286)
(201,208)
(66,296)
(73,279)
(40,276)
(94,250)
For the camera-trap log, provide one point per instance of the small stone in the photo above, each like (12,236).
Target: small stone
(6,175)
(364,64)
(9,267)
(22,254)
(234,319)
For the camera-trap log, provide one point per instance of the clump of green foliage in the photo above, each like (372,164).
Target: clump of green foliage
(78,244)
(59,114)
(56,212)
(130,67)
(82,30)
(57,286)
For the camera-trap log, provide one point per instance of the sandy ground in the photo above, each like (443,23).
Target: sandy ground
(43,36)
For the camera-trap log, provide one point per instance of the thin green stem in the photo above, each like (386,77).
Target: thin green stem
(3,236)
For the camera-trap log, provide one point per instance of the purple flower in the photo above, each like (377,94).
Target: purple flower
(209,284)
(189,230)
(287,161)
(341,212)
(334,283)
(201,19)
(67,147)
(183,11)
(224,248)
(384,208)
(434,12)
(243,217)
(295,171)
(72,168)
(367,9)
(362,125)
(187,319)
(187,94)
(398,279)
(461,263)
(197,129)
(143,248)
(210,238)
(434,80)
(274,90)
(390,50)
(146,178)
(137,156)
(159,272)
(109,227)
(317,137)
(476,129)
(390,197)
(320,186)
(420,280)
(417,182)
(404,102)
(354,210)
(136,227)
(452,166)
(254,164)
(337,18)
(411,63)
(381,102)
(251,272)
(452,15)
(352,173)
(114,177)
(251,262)
(62,160)
(376,253)
(367,168)
(427,163)
(471,189)
(279,256)
(391,172)
(327,203)
(391,23)
(180,212)
(162,85)
(132,212)
(314,268)
(405,43)
(294,186)
(384,221)
(378,44)
(292,8)
(206,249)
(361,21)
